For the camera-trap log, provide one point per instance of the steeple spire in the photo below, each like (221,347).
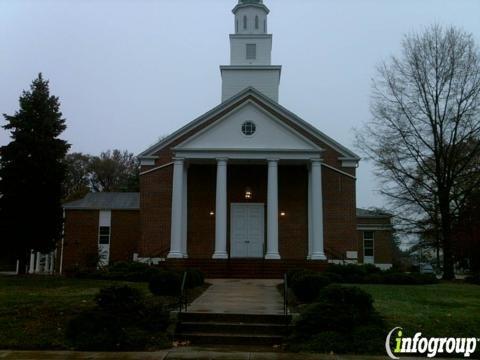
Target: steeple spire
(250,53)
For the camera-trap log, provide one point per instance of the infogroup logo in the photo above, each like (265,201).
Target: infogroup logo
(429,346)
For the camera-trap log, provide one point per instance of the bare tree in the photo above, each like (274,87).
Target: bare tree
(114,171)
(423,135)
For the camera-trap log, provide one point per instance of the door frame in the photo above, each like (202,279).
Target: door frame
(263,228)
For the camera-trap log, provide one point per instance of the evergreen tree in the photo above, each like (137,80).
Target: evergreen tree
(32,170)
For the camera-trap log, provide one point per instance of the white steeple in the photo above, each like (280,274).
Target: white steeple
(250,53)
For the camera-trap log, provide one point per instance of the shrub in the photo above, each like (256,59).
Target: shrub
(349,296)
(95,330)
(293,273)
(194,278)
(350,273)
(121,320)
(120,299)
(342,320)
(473,279)
(165,283)
(130,271)
(307,285)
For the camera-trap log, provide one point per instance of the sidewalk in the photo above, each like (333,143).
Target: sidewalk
(240,296)
(182,354)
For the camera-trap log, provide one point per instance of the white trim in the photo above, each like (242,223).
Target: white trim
(384,266)
(339,171)
(156,168)
(265,100)
(374,227)
(371,258)
(249,102)
(147,162)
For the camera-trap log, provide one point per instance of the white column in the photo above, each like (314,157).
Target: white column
(31,265)
(309,213)
(185,213)
(317,211)
(272,211)
(221,211)
(177,211)
(52,261)
(47,263)
(37,262)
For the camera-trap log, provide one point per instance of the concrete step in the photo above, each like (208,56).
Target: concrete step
(235,328)
(234,318)
(230,339)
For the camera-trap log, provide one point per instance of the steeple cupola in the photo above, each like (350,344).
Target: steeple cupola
(251,17)
(250,53)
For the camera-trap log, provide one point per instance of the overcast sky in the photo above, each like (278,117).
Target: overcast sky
(129,72)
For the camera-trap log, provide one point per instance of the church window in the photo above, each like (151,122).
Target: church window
(104,235)
(245,22)
(236,26)
(248,128)
(251,51)
(265,26)
(368,239)
(256,22)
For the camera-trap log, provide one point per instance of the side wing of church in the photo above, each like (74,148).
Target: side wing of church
(247,189)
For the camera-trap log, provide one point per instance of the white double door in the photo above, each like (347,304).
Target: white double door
(247,230)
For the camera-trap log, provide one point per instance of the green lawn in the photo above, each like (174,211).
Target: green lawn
(35,310)
(446,309)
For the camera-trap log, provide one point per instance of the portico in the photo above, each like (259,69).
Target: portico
(178,240)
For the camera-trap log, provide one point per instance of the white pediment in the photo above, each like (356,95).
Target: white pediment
(270,133)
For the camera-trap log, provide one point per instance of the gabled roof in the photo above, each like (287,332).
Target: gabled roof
(106,201)
(364,213)
(237,99)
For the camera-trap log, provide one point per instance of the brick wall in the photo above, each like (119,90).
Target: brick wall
(125,235)
(155,212)
(338,189)
(80,248)
(383,240)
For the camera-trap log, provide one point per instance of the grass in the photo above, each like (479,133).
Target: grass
(445,309)
(34,310)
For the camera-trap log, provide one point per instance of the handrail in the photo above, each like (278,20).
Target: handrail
(285,298)
(182,298)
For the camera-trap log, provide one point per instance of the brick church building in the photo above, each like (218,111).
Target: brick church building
(248,188)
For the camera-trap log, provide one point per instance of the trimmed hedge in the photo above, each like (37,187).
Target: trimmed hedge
(194,278)
(370,274)
(122,320)
(473,279)
(306,285)
(342,320)
(165,283)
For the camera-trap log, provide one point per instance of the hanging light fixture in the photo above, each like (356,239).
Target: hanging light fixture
(248,193)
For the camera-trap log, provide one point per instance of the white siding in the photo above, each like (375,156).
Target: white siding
(270,133)
(234,80)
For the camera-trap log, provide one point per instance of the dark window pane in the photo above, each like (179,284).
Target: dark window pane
(104,230)
(368,235)
(368,252)
(104,239)
(368,243)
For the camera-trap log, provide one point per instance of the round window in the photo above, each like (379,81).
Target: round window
(248,128)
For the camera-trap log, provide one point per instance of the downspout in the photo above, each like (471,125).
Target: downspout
(60,267)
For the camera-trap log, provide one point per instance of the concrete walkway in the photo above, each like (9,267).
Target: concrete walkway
(240,296)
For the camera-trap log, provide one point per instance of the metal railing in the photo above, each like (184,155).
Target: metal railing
(285,298)
(182,298)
